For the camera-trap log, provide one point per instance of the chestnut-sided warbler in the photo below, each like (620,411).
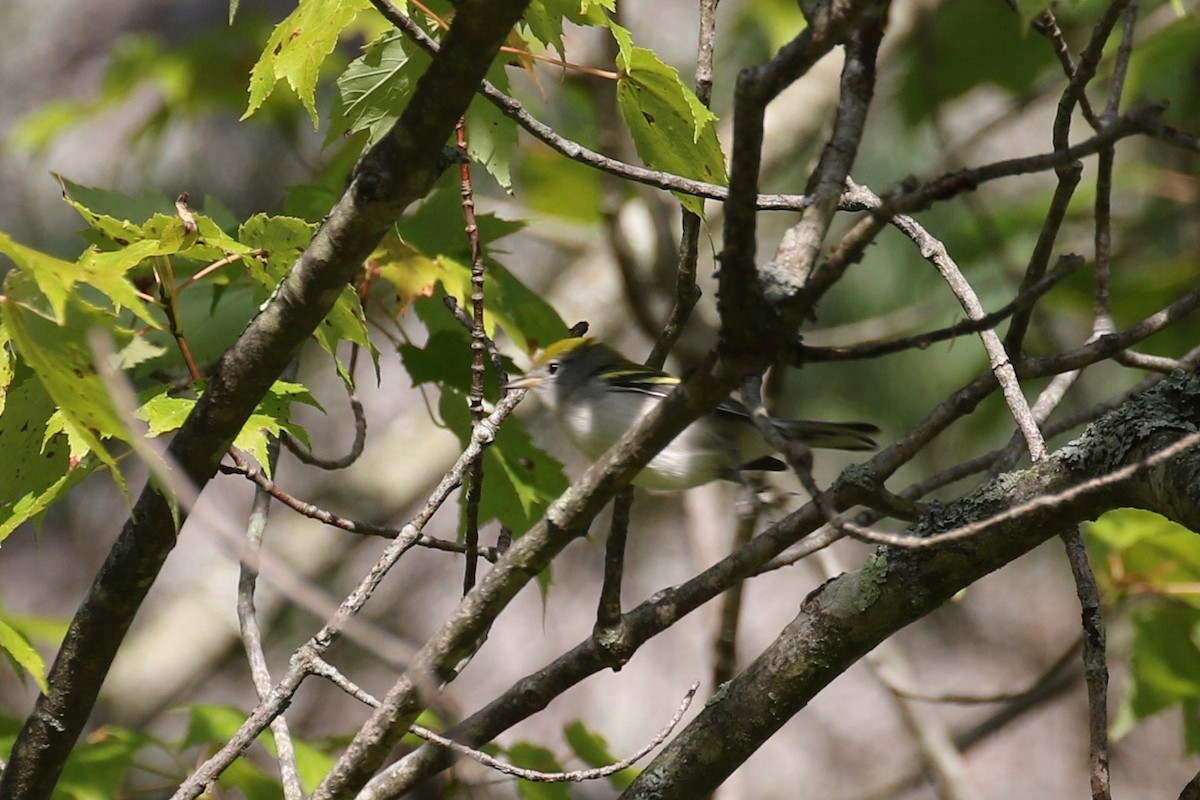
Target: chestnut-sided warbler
(598,395)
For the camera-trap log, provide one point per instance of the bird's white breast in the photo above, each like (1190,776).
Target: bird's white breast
(698,455)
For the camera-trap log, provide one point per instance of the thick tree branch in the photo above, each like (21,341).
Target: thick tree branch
(847,617)
(758,306)
(398,170)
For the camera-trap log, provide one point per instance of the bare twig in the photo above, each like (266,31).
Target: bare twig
(1085,70)
(900,687)
(259,478)
(252,635)
(1015,512)
(687,293)
(478,347)
(1025,300)
(216,265)
(724,647)
(319,666)
(325,669)
(608,610)
(935,252)
(562,777)
(1100,347)
(1103,322)
(1095,665)
(1046,24)
(1146,361)
(465,320)
(306,456)
(1068,179)
(1121,63)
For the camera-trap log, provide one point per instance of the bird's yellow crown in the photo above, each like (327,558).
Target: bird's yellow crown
(562,347)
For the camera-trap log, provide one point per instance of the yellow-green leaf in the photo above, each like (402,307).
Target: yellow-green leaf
(60,356)
(376,87)
(23,654)
(7,365)
(38,466)
(296,49)
(57,279)
(671,128)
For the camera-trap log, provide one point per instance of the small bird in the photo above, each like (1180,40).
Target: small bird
(597,395)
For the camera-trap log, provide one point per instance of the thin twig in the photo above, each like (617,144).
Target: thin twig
(1103,322)
(1044,503)
(1085,70)
(724,646)
(1146,361)
(259,478)
(478,347)
(974,698)
(1068,180)
(334,675)
(1121,62)
(687,293)
(562,777)
(251,634)
(167,292)
(464,319)
(306,456)
(934,251)
(1095,664)
(1102,276)
(1046,24)
(1025,300)
(319,666)
(218,264)
(608,609)
(1108,345)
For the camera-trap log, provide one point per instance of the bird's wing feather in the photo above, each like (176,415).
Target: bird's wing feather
(662,385)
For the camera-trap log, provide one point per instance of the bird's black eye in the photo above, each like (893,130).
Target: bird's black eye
(552,367)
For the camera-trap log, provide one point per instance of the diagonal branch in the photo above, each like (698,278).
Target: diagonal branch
(758,305)
(845,618)
(444,654)
(395,172)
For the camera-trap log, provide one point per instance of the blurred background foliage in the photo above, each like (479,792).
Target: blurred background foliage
(143,100)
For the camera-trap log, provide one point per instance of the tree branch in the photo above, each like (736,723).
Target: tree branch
(398,170)
(847,617)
